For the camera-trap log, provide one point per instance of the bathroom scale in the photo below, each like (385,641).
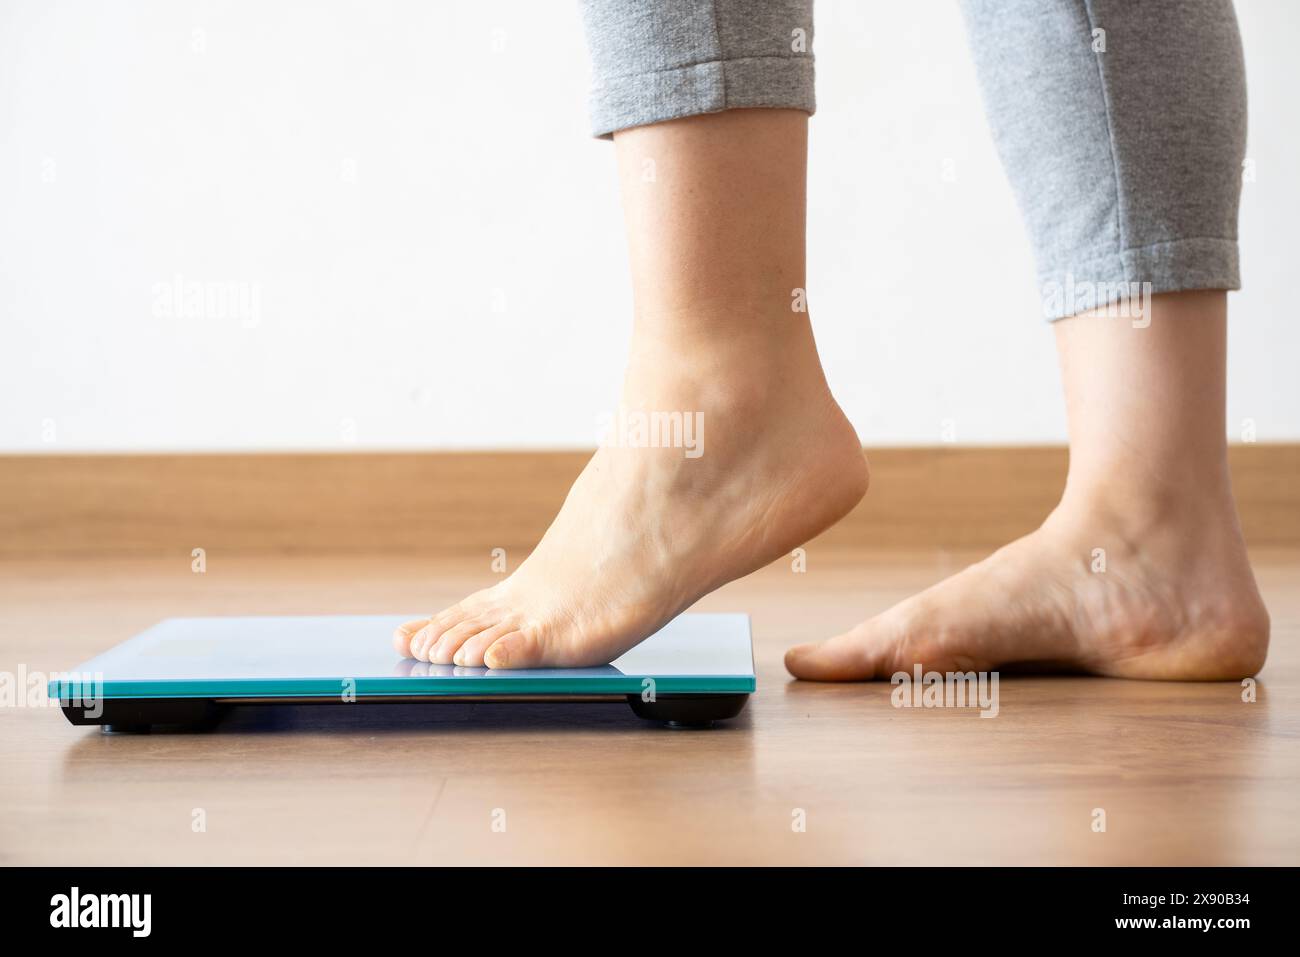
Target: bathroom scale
(699,668)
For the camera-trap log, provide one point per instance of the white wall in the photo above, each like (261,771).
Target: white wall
(434,244)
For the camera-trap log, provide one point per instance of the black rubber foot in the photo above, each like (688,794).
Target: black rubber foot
(126,728)
(689,710)
(141,715)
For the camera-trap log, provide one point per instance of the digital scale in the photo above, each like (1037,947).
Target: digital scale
(185,672)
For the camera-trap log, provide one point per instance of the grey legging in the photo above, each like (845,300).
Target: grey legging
(1121,123)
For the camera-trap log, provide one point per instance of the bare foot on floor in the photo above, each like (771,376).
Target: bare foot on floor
(1176,601)
(645,532)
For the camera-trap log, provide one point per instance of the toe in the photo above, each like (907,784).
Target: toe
(518,649)
(424,639)
(405,633)
(425,642)
(471,650)
(861,654)
(447,651)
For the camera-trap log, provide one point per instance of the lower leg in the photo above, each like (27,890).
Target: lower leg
(1141,571)
(714,206)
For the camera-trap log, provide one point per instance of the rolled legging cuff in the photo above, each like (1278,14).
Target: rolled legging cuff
(657,60)
(1177,266)
(772,82)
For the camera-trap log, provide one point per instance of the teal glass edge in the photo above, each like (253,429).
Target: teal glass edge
(460,686)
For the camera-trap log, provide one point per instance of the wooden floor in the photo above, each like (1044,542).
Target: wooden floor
(1186,774)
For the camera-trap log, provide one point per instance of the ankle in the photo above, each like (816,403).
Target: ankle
(1142,513)
(1135,485)
(750,371)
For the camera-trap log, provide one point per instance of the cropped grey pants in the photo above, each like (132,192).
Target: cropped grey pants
(1121,123)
